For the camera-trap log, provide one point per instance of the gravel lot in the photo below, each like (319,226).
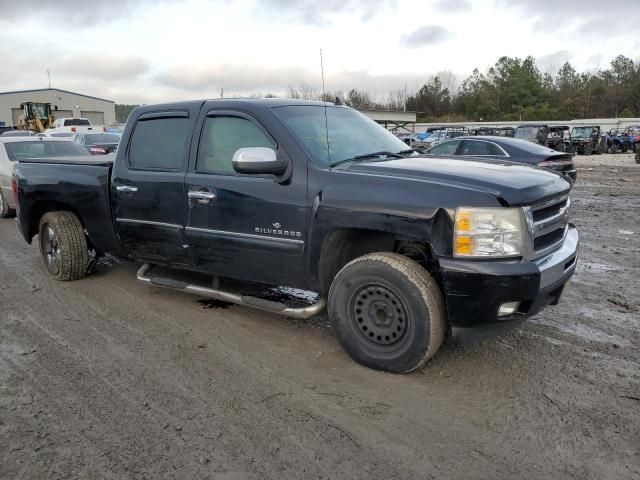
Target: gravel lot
(108,378)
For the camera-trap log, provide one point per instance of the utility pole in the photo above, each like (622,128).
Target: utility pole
(49,77)
(222,92)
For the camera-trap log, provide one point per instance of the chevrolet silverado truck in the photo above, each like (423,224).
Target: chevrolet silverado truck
(403,250)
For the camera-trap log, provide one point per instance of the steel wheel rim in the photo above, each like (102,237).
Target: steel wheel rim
(379,315)
(51,249)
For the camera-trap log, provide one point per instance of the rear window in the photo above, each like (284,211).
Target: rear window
(158,144)
(43,149)
(76,122)
(480,148)
(99,138)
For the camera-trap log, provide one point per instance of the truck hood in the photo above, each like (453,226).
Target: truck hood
(513,183)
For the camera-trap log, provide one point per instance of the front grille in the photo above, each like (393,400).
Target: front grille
(545,241)
(550,220)
(542,212)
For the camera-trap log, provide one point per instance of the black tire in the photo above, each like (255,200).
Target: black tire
(387,311)
(63,246)
(5,211)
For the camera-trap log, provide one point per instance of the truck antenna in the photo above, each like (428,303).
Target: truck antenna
(324,100)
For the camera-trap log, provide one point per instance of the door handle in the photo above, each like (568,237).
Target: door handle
(201,197)
(126,189)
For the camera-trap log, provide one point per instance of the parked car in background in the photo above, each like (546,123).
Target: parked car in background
(14,148)
(98,143)
(588,139)
(510,149)
(74,125)
(17,133)
(5,128)
(66,135)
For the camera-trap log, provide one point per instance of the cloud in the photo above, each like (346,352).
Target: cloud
(552,62)
(74,12)
(589,18)
(245,80)
(312,12)
(427,35)
(109,67)
(451,6)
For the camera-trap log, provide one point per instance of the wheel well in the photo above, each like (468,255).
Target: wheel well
(41,208)
(343,245)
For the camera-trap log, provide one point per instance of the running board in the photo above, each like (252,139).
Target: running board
(246,300)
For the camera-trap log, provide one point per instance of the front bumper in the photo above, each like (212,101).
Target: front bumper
(474,290)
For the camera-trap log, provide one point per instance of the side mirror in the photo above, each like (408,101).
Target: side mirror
(258,160)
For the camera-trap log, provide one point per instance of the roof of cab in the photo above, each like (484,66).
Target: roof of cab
(262,102)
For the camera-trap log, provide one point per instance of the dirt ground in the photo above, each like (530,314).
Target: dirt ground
(108,378)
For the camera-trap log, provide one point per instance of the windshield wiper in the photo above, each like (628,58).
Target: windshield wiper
(365,156)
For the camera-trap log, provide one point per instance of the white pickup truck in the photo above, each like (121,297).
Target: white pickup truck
(73,126)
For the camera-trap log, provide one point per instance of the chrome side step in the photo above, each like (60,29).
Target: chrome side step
(248,301)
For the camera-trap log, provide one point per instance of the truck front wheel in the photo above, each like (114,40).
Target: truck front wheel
(63,246)
(387,311)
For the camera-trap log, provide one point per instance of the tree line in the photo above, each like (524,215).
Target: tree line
(512,89)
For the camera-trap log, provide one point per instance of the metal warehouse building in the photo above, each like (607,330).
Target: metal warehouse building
(63,104)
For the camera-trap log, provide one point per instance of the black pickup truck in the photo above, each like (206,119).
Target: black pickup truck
(403,250)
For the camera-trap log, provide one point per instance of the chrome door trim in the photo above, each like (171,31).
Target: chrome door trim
(245,235)
(149,222)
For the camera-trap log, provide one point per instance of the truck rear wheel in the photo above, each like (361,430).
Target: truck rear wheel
(63,246)
(387,311)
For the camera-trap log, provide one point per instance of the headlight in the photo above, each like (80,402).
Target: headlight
(488,232)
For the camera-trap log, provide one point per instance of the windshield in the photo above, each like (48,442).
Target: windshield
(526,132)
(581,132)
(350,132)
(40,110)
(101,138)
(70,122)
(42,148)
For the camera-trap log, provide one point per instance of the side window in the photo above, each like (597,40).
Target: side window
(495,150)
(222,137)
(158,143)
(446,148)
(472,147)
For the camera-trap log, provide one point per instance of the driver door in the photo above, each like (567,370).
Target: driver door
(244,226)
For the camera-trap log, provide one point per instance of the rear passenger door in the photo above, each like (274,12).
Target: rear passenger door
(149,200)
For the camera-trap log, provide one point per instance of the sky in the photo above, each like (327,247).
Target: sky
(146,51)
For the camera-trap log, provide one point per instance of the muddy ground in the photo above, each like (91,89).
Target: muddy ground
(108,378)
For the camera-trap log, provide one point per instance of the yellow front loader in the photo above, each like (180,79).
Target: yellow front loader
(35,116)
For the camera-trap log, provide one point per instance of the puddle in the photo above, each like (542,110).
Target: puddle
(211,303)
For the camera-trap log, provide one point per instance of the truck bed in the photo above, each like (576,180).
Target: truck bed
(93,160)
(77,184)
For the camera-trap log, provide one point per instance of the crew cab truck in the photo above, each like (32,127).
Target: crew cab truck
(404,250)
